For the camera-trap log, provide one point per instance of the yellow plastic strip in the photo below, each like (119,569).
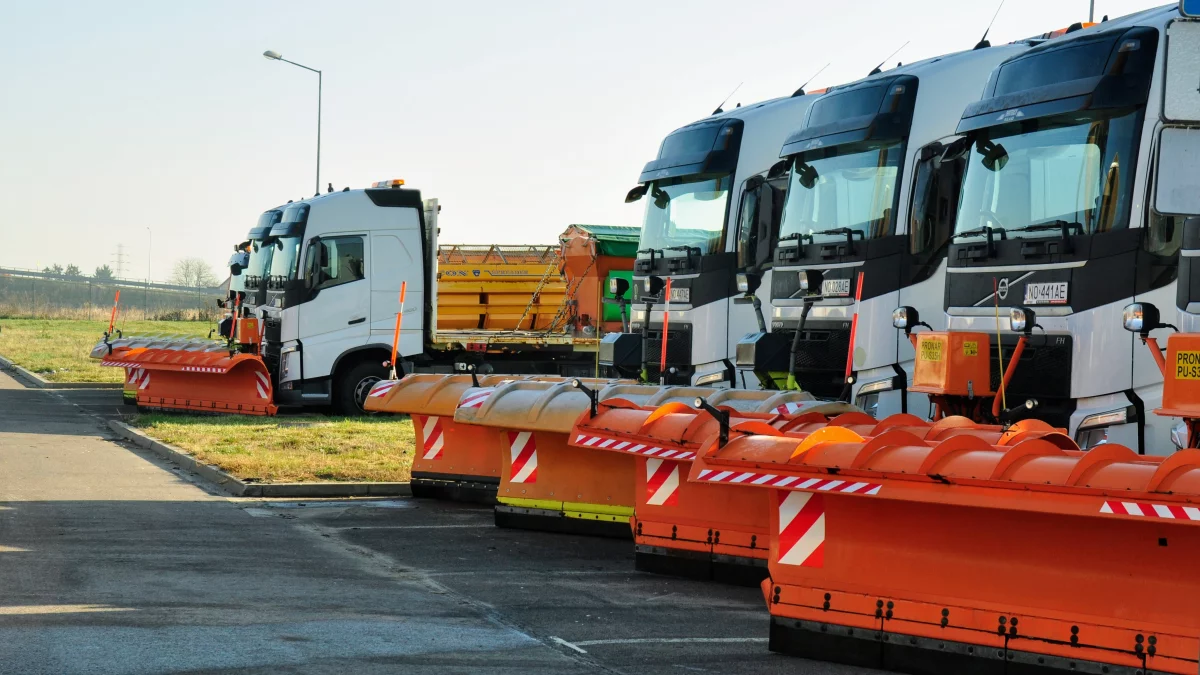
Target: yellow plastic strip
(606,509)
(520,502)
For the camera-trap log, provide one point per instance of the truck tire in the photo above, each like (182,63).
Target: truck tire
(352,386)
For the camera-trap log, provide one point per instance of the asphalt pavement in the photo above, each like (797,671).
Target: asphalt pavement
(112,561)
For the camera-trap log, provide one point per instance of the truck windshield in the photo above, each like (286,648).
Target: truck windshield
(688,213)
(260,262)
(1034,178)
(848,189)
(285,259)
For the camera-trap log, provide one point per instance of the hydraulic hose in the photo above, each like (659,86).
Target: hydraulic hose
(791,378)
(1008,373)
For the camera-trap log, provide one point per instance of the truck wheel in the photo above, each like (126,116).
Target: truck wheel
(351,389)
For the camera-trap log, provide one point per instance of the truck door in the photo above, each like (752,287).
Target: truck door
(335,318)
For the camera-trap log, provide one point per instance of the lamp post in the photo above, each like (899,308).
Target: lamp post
(276,56)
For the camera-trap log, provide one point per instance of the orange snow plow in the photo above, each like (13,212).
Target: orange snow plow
(967,556)
(193,374)
(544,483)
(689,529)
(451,460)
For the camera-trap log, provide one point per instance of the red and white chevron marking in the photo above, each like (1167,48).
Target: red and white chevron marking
(1164,511)
(662,482)
(120,364)
(788,408)
(431,433)
(802,529)
(475,399)
(382,387)
(600,442)
(263,385)
(523,452)
(139,378)
(790,482)
(203,369)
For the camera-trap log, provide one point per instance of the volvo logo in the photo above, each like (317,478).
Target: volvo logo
(1010,115)
(1002,288)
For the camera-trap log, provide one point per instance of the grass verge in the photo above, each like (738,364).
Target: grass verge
(58,349)
(298,449)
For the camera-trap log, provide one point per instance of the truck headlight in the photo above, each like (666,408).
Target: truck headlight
(743,283)
(804,281)
(1093,430)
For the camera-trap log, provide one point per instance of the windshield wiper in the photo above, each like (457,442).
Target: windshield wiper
(651,251)
(688,251)
(792,237)
(990,233)
(1061,225)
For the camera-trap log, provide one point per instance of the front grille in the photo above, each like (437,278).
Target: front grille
(1044,371)
(679,346)
(821,349)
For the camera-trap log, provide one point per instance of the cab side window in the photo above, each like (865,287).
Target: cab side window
(934,208)
(759,216)
(337,261)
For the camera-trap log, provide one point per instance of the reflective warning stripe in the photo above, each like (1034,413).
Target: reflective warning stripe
(523,454)
(475,399)
(204,369)
(145,379)
(790,482)
(600,442)
(382,387)
(1164,511)
(662,482)
(263,385)
(788,408)
(802,529)
(433,438)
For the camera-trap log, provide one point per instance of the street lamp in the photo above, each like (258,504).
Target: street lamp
(149,257)
(276,56)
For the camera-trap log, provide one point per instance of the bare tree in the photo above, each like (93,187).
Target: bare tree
(193,272)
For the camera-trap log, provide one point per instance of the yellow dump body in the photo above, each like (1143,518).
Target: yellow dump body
(499,288)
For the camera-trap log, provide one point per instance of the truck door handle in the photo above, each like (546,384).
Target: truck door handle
(358,320)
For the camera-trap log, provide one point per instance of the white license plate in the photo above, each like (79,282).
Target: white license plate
(835,287)
(1046,294)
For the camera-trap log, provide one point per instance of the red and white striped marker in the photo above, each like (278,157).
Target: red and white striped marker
(432,437)
(600,442)
(139,378)
(788,408)
(476,398)
(204,369)
(790,482)
(1164,511)
(382,387)
(263,385)
(523,453)
(802,529)
(662,482)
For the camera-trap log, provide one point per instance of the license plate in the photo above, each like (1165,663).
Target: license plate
(835,287)
(1046,294)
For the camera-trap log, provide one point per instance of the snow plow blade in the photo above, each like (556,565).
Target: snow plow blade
(450,460)
(190,375)
(691,529)
(544,483)
(961,555)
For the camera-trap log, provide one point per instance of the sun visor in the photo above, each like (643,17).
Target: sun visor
(710,146)
(1107,70)
(873,110)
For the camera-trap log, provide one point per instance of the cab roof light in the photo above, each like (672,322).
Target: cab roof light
(393,183)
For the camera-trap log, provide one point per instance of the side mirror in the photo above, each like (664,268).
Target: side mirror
(323,251)
(779,168)
(1141,318)
(956,149)
(1022,320)
(748,282)
(635,194)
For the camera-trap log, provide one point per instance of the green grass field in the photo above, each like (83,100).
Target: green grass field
(58,349)
(292,449)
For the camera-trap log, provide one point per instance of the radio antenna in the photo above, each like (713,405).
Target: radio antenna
(719,109)
(800,91)
(983,41)
(879,68)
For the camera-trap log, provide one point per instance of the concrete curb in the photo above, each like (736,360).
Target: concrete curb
(238,488)
(35,381)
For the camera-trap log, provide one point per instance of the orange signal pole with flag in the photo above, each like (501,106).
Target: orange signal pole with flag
(853,333)
(112,319)
(396,335)
(662,359)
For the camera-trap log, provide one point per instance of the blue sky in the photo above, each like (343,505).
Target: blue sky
(521,117)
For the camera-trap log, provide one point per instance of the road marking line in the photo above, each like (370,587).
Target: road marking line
(568,645)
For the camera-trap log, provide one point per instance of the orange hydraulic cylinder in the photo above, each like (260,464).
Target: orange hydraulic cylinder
(963,556)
